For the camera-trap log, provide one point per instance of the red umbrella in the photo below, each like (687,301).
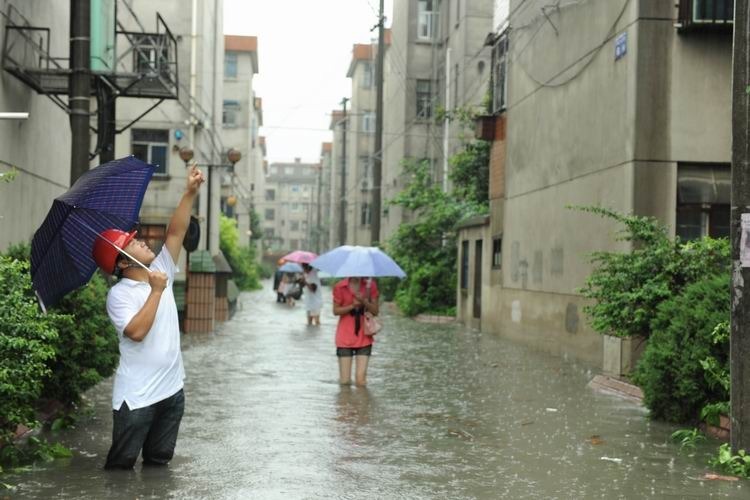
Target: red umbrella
(300,257)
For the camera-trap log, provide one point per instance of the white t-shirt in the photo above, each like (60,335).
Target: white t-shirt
(151,370)
(313,300)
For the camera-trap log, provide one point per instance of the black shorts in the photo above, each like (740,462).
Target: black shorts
(346,352)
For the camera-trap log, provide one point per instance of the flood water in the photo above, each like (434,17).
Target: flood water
(448,413)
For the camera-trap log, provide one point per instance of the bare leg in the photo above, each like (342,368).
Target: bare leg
(345,370)
(361,370)
(316,320)
(309,319)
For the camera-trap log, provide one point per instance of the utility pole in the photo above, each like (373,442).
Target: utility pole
(739,357)
(318,230)
(79,91)
(342,218)
(377,166)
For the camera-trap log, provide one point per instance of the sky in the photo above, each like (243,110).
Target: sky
(304,51)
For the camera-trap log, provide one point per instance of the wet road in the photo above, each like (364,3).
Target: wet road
(449,413)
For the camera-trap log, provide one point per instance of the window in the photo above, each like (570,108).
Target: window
(230,64)
(270,214)
(151,146)
(499,65)
(151,55)
(153,235)
(464,265)
(304,225)
(268,233)
(703,200)
(270,194)
(426,20)
(365,214)
(295,188)
(700,13)
(295,207)
(424,99)
(367,76)
(231,113)
(368,122)
(365,163)
(289,170)
(497,252)
(294,225)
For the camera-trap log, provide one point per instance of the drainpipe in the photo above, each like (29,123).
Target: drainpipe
(446,121)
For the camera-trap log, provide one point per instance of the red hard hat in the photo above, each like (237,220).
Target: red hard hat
(105,255)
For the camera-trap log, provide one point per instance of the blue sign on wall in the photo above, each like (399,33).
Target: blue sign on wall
(621,45)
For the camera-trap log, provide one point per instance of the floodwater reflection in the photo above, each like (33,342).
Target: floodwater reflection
(448,413)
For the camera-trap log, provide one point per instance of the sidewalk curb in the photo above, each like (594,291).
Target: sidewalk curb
(612,385)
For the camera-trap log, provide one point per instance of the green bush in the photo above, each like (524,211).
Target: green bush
(240,258)
(26,339)
(628,287)
(426,247)
(86,349)
(671,371)
(266,270)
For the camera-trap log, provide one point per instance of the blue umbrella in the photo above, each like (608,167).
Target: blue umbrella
(108,196)
(356,261)
(291,267)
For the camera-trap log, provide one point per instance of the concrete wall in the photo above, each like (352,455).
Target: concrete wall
(585,128)
(39,148)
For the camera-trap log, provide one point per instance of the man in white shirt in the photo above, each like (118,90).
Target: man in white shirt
(147,400)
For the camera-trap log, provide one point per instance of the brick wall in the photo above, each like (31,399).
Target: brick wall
(497,160)
(201,303)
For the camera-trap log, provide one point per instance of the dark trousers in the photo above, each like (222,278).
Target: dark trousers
(152,429)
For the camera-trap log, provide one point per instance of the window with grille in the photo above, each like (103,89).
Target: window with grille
(270,214)
(367,75)
(424,99)
(230,116)
(294,225)
(270,194)
(230,65)
(499,76)
(368,122)
(427,16)
(365,214)
(151,146)
(703,200)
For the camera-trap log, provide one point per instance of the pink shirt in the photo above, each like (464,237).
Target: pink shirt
(343,296)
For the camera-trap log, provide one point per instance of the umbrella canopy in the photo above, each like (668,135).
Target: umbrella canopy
(108,196)
(291,267)
(300,257)
(355,261)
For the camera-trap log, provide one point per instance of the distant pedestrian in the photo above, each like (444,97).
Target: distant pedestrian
(147,399)
(352,297)
(283,287)
(277,276)
(313,294)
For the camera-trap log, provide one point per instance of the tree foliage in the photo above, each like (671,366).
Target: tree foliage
(627,287)
(241,258)
(425,246)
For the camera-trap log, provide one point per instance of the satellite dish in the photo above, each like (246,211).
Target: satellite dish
(192,235)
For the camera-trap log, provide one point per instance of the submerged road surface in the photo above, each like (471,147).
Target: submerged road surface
(448,413)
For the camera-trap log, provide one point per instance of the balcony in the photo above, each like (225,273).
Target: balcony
(705,15)
(145,64)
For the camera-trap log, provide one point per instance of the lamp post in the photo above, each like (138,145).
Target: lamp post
(233,156)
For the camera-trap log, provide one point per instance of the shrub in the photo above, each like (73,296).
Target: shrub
(628,287)
(26,350)
(671,371)
(87,345)
(240,258)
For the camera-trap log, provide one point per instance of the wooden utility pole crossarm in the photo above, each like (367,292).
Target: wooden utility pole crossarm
(740,336)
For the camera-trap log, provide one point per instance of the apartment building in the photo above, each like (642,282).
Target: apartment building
(624,105)
(241,118)
(290,207)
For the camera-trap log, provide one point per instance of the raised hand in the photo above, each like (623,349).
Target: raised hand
(157,280)
(195,179)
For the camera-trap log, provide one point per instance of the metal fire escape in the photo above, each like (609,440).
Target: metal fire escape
(136,64)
